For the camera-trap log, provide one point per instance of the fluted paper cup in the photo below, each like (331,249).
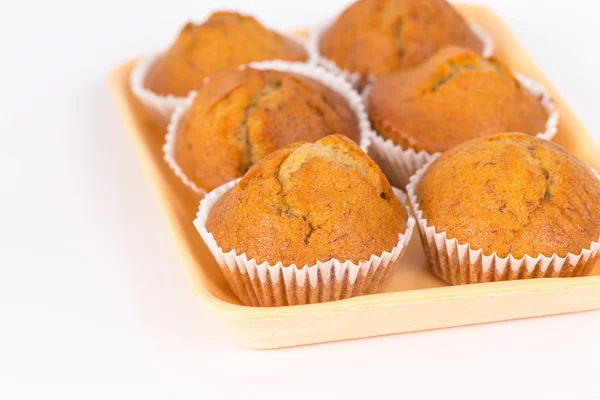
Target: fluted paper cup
(262,284)
(458,263)
(160,105)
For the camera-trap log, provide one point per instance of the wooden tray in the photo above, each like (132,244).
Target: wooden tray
(415,300)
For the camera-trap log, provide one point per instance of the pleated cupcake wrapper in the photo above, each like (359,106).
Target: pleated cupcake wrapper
(160,105)
(354,78)
(277,285)
(458,263)
(538,90)
(399,163)
(336,83)
(169,146)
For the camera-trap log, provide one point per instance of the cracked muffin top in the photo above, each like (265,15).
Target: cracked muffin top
(380,36)
(240,116)
(310,202)
(512,194)
(226,40)
(454,96)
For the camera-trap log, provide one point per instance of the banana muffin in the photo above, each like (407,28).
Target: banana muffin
(226,40)
(454,96)
(310,202)
(380,36)
(510,194)
(240,116)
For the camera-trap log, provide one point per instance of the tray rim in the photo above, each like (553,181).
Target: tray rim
(381,300)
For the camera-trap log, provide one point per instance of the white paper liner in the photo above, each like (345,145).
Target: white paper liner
(539,91)
(354,78)
(169,146)
(336,83)
(399,164)
(299,285)
(162,106)
(458,263)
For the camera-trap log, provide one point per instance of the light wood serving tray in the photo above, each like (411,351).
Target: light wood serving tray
(415,299)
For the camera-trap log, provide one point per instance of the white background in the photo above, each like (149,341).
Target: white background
(93,300)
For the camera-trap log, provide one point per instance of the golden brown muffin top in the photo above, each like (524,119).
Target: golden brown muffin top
(512,194)
(238,117)
(226,40)
(454,96)
(381,36)
(309,202)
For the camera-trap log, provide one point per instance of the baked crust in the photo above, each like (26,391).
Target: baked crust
(238,117)
(380,36)
(512,194)
(310,202)
(454,96)
(225,40)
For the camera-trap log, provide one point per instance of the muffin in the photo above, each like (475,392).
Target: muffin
(454,96)
(376,37)
(508,206)
(322,215)
(239,116)
(226,40)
